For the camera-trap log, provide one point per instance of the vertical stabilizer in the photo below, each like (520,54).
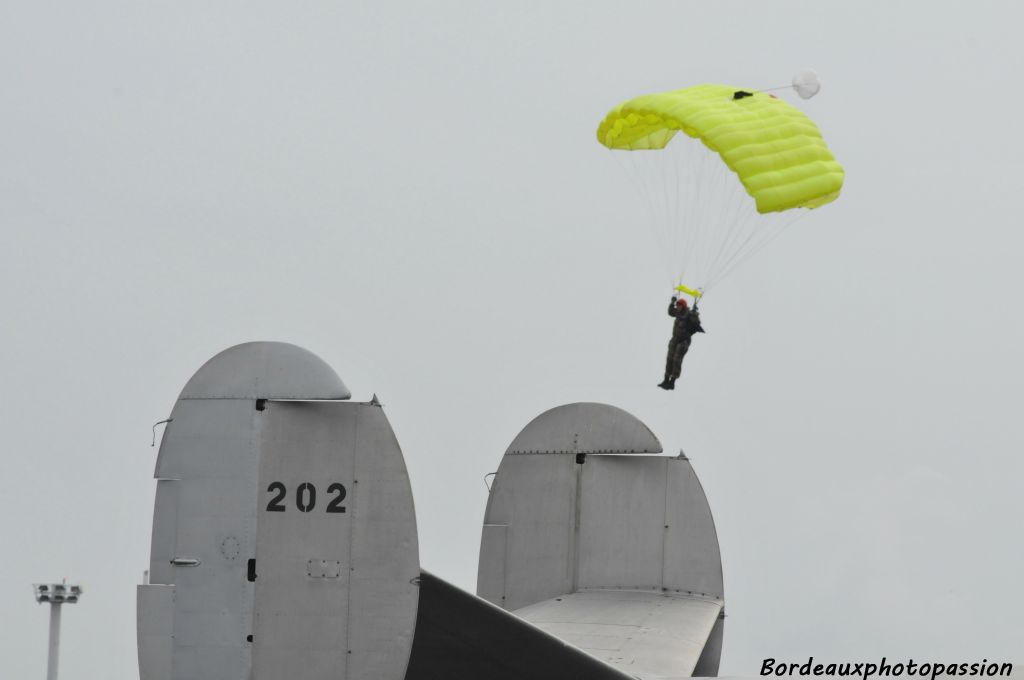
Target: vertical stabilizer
(284,536)
(614,552)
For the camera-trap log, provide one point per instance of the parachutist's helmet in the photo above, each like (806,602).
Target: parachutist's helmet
(681,304)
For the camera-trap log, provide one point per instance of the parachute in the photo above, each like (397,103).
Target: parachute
(806,83)
(707,221)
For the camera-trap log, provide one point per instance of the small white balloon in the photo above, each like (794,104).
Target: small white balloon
(806,83)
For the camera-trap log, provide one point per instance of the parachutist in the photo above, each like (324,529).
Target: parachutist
(687,322)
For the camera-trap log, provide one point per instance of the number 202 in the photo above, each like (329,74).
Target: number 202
(305,497)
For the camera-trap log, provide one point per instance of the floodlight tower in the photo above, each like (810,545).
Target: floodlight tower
(55,594)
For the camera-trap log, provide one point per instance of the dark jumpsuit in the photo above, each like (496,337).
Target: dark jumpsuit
(687,323)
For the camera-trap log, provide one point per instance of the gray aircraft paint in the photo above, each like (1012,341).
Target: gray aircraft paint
(653,634)
(707,664)
(620,543)
(585,428)
(284,544)
(335,594)
(461,637)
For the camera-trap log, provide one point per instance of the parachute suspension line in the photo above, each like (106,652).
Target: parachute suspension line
(683,171)
(677,205)
(680,171)
(680,213)
(631,167)
(704,191)
(700,224)
(764,230)
(721,223)
(784,225)
(749,233)
(739,225)
(708,219)
(699,213)
(750,229)
(665,218)
(730,222)
(731,205)
(665,180)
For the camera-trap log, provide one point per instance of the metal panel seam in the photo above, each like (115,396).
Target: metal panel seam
(665,528)
(351,538)
(575,550)
(247,610)
(504,566)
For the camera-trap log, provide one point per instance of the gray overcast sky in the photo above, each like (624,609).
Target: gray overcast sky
(414,192)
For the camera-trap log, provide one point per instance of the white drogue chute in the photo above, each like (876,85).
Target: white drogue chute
(806,83)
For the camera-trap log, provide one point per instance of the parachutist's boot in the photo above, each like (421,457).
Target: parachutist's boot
(664,384)
(671,384)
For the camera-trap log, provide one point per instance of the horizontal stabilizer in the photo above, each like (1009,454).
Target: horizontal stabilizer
(661,633)
(462,637)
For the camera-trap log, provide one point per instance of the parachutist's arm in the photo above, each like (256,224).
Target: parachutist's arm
(672,307)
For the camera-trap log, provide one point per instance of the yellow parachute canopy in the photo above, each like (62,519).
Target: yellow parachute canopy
(776,151)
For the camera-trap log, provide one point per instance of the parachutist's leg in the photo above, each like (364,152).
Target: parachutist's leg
(665,384)
(676,359)
(670,357)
